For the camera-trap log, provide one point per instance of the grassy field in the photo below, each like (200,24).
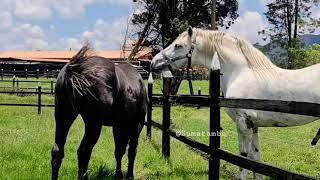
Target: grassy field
(26,140)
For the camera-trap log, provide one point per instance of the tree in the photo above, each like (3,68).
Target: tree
(287,18)
(161,21)
(306,56)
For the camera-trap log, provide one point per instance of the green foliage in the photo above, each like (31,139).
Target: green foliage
(166,19)
(305,56)
(287,19)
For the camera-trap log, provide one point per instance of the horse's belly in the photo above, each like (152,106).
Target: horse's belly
(271,119)
(276,119)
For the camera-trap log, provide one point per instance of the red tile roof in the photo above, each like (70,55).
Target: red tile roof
(65,56)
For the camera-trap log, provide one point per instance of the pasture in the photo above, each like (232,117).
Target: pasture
(27,138)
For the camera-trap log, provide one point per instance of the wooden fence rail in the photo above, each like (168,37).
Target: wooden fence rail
(39,104)
(215,102)
(45,73)
(291,107)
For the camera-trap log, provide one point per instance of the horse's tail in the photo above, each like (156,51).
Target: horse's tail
(77,80)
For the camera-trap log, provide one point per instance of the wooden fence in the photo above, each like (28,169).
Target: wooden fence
(16,85)
(38,73)
(215,102)
(37,91)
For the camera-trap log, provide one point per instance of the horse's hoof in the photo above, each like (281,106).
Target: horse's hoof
(119,175)
(83,176)
(129,177)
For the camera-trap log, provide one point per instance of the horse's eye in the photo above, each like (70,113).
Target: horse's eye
(177,46)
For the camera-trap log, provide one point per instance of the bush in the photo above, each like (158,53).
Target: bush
(304,57)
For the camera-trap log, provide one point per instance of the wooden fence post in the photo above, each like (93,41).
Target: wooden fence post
(26,73)
(149,110)
(17,83)
(1,74)
(47,73)
(166,110)
(39,99)
(13,82)
(14,72)
(37,73)
(51,86)
(214,161)
(189,76)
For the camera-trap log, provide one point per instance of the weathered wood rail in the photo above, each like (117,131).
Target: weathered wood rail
(215,102)
(38,91)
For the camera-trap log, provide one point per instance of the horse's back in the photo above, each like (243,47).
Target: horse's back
(131,90)
(301,85)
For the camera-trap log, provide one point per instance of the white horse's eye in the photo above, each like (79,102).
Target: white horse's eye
(177,46)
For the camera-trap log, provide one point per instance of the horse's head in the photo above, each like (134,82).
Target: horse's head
(176,54)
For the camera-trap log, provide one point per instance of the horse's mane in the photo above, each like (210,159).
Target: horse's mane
(256,60)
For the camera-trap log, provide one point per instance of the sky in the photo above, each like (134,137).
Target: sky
(67,24)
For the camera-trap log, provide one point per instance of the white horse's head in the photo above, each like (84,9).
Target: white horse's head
(176,54)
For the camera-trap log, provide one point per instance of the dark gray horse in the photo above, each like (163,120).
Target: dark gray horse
(103,94)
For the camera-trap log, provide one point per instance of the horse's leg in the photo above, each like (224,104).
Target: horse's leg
(132,151)
(64,117)
(90,138)
(121,140)
(255,151)
(245,133)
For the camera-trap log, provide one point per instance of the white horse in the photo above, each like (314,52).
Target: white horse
(247,74)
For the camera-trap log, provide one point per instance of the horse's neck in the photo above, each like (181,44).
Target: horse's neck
(230,68)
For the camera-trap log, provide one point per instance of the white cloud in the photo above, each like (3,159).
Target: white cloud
(106,35)
(315,12)
(102,36)
(44,9)
(39,9)
(52,27)
(5,19)
(119,2)
(264,2)
(71,8)
(70,43)
(28,30)
(23,37)
(35,43)
(248,25)
(18,31)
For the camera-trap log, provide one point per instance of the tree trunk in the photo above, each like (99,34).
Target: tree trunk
(213,15)
(289,28)
(296,17)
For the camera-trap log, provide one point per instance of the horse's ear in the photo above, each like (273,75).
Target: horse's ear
(190,31)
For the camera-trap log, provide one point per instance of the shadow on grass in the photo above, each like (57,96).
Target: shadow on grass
(155,146)
(103,172)
(179,173)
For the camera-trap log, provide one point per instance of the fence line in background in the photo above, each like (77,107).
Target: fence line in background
(38,91)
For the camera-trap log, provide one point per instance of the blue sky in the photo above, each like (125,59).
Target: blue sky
(65,24)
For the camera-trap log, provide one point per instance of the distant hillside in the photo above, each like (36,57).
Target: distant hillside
(278,55)
(311,39)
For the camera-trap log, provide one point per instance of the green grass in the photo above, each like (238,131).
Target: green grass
(26,140)
(8,84)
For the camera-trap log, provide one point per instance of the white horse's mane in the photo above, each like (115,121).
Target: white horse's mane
(256,60)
